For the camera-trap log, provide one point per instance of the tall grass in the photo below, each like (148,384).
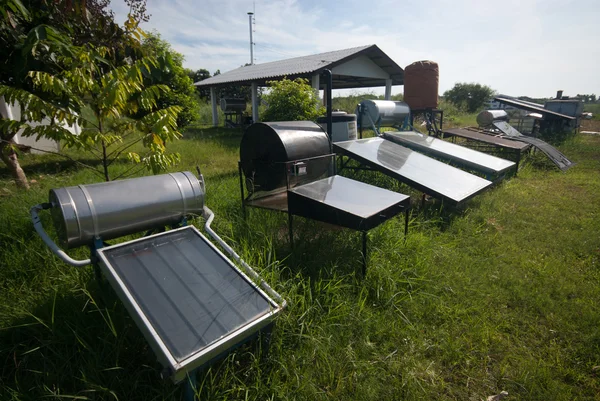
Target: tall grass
(501,295)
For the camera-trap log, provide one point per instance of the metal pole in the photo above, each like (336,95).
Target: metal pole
(364,247)
(251,42)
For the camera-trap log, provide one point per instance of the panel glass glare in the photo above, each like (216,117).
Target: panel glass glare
(427,174)
(351,196)
(449,151)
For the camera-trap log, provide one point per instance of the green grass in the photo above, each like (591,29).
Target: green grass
(501,295)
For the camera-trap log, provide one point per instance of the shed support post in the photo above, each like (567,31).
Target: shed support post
(213,102)
(254,91)
(388,89)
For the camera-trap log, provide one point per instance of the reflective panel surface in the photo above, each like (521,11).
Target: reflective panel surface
(507,129)
(420,171)
(351,196)
(189,293)
(449,151)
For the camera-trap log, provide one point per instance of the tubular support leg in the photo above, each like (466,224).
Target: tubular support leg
(191,385)
(364,251)
(291,229)
(405,224)
(242,189)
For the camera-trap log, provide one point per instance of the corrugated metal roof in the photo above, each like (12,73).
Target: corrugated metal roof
(522,104)
(308,65)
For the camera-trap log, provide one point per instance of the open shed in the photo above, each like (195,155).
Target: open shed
(358,67)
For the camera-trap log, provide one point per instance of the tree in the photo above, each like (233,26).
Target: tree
(470,96)
(291,101)
(79,84)
(174,76)
(588,98)
(104,105)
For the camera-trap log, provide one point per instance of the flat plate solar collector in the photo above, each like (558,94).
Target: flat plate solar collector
(190,302)
(460,155)
(347,203)
(418,171)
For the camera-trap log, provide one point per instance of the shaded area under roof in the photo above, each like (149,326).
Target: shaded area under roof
(307,66)
(522,104)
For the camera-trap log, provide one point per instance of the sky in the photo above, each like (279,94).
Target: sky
(517,47)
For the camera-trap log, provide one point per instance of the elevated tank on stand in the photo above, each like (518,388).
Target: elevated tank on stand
(421,85)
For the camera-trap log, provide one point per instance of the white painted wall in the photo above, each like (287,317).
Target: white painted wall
(361,66)
(13,112)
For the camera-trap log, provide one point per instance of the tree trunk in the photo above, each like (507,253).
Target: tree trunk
(9,157)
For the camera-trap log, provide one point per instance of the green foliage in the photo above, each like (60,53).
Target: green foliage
(114,98)
(587,98)
(174,76)
(470,96)
(291,101)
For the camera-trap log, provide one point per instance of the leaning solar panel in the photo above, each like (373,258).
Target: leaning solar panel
(190,302)
(419,171)
(460,155)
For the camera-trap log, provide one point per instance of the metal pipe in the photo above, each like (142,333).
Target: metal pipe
(329,78)
(251,42)
(37,224)
(209,217)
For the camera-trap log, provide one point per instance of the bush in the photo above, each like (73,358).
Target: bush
(291,101)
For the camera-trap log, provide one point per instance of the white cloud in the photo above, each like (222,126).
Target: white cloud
(520,47)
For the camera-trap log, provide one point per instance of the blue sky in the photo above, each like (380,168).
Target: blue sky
(517,47)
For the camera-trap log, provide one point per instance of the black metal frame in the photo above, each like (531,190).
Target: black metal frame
(430,116)
(248,201)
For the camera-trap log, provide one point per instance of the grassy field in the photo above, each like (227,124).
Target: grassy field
(501,295)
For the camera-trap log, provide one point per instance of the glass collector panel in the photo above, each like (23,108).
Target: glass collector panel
(188,292)
(449,150)
(351,196)
(407,164)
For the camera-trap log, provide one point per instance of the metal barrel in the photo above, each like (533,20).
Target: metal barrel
(384,113)
(113,209)
(233,104)
(487,117)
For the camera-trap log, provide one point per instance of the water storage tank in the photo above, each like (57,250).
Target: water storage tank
(231,105)
(385,113)
(113,209)
(421,85)
(343,126)
(266,146)
(487,117)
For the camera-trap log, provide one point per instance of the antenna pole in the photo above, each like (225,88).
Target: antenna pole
(251,42)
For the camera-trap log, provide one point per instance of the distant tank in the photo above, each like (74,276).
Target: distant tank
(487,117)
(421,85)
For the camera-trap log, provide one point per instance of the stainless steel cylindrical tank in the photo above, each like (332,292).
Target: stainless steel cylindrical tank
(384,113)
(232,104)
(113,209)
(487,117)
(266,146)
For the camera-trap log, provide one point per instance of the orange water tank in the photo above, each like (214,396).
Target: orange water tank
(421,84)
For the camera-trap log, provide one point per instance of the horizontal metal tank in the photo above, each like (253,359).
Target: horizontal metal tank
(266,146)
(487,117)
(384,113)
(232,105)
(117,208)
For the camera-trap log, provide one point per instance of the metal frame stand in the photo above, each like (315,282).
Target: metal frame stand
(429,115)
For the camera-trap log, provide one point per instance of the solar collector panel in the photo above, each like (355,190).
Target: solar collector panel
(191,296)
